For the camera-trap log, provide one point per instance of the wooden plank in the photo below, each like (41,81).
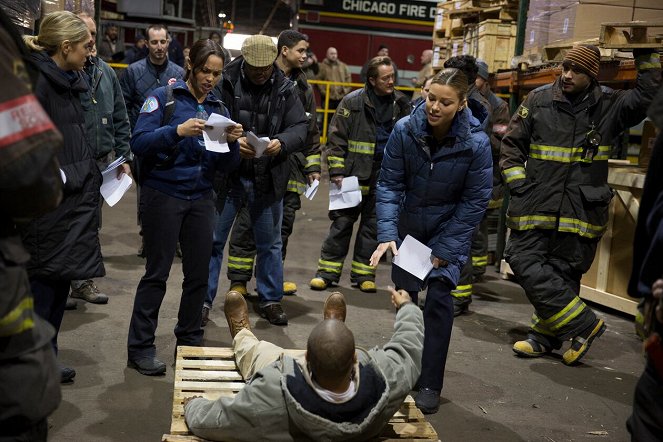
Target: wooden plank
(208,386)
(211,395)
(205,364)
(207,375)
(609,300)
(184,351)
(420,430)
(628,35)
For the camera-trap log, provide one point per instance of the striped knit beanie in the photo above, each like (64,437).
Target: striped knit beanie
(585,57)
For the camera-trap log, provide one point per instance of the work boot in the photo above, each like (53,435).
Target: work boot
(148,366)
(367,286)
(239,287)
(580,344)
(428,401)
(319,283)
(335,307)
(274,314)
(529,348)
(289,288)
(205,317)
(237,312)
(461,307)
(71,304)
(89,292)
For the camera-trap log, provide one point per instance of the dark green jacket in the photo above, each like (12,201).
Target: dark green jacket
(106,120)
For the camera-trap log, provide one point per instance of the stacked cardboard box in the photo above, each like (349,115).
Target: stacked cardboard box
(485,29)
(558,22)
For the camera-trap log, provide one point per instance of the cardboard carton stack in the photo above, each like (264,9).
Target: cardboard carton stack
(485,29)
(560,22)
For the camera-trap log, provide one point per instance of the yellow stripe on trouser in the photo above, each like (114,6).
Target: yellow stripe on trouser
(480,261)
(362,269)
(560,319)
(296,187)
(237,263)
(18,319)
(330,266)
(361,147)
(462,291)
(567,154)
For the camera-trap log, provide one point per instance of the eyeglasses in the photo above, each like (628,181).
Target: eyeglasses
(257,71)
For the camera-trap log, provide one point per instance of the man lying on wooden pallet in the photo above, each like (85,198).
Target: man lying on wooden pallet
(333,392)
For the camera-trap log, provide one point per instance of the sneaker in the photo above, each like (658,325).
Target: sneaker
(239,287)
(335,307)
(71,304)
(428,401)
(67,375)
(205,318)
(529,348)
(319,283)
(289,288)
(237,312)
(274,314)
(89,292)
(147,366)
(367,286)
(581,343)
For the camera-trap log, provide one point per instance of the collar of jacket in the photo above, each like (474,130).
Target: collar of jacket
(593,95)
(57,76)
(180,87)
(461,127)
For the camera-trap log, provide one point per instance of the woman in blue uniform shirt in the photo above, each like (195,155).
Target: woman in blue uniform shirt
(177,200)
(435,183)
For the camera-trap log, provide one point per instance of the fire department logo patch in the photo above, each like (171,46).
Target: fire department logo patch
(343,112)
(523,112)
(150,105)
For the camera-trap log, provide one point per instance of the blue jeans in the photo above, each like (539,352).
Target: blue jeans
(266,218)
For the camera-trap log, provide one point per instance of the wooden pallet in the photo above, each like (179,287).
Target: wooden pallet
(211,372)
(629,35)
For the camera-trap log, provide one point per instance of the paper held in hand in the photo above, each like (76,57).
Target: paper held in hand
(414,257)
(214,133)
(112,188)
(258,144)
(347,196)
(311,189)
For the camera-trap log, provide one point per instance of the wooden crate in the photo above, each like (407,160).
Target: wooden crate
(211,372)
(496,43)
(630,35)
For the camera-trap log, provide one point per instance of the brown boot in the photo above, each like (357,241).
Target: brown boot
(335,307)
(237,312)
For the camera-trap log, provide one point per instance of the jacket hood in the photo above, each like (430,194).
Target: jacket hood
(321,429)
(464,123)
(55,75)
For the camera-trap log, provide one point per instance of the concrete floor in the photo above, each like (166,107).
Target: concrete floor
(489,393)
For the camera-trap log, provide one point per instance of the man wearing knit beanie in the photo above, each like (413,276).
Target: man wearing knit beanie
(554,161)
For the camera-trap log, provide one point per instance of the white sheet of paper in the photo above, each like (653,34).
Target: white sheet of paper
(311,189)
(347,196)
(259,144)
(414,257)
(214,133)
(113,189)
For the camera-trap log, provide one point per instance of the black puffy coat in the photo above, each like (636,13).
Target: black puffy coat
(64,243)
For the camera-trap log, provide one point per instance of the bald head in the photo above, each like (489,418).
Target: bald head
(330,352)
(426,56)
(332,54)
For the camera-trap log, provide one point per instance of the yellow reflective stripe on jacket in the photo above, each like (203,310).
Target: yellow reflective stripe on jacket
(336,162)
(582,228)
(528,222)
(462,291)
(313,160)
(480,261)
(495,204)
(362,269)
(364,189)
(238,263)
(296,186)
(566,154)
(361,147)
(330,266)
(18,319)
(561,318)
(514,173)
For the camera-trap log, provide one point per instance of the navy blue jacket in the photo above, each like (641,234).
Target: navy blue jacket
(435,194)
(191,174)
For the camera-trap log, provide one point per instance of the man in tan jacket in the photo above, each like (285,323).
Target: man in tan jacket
(333,69)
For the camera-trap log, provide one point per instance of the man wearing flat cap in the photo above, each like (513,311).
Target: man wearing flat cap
(264,102)
(554,160)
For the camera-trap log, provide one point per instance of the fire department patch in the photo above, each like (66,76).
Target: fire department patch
(343,112)
(150,105)
(523,112)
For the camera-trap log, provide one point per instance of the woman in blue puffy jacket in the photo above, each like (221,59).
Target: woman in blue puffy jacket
(177,200)
(434,185)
